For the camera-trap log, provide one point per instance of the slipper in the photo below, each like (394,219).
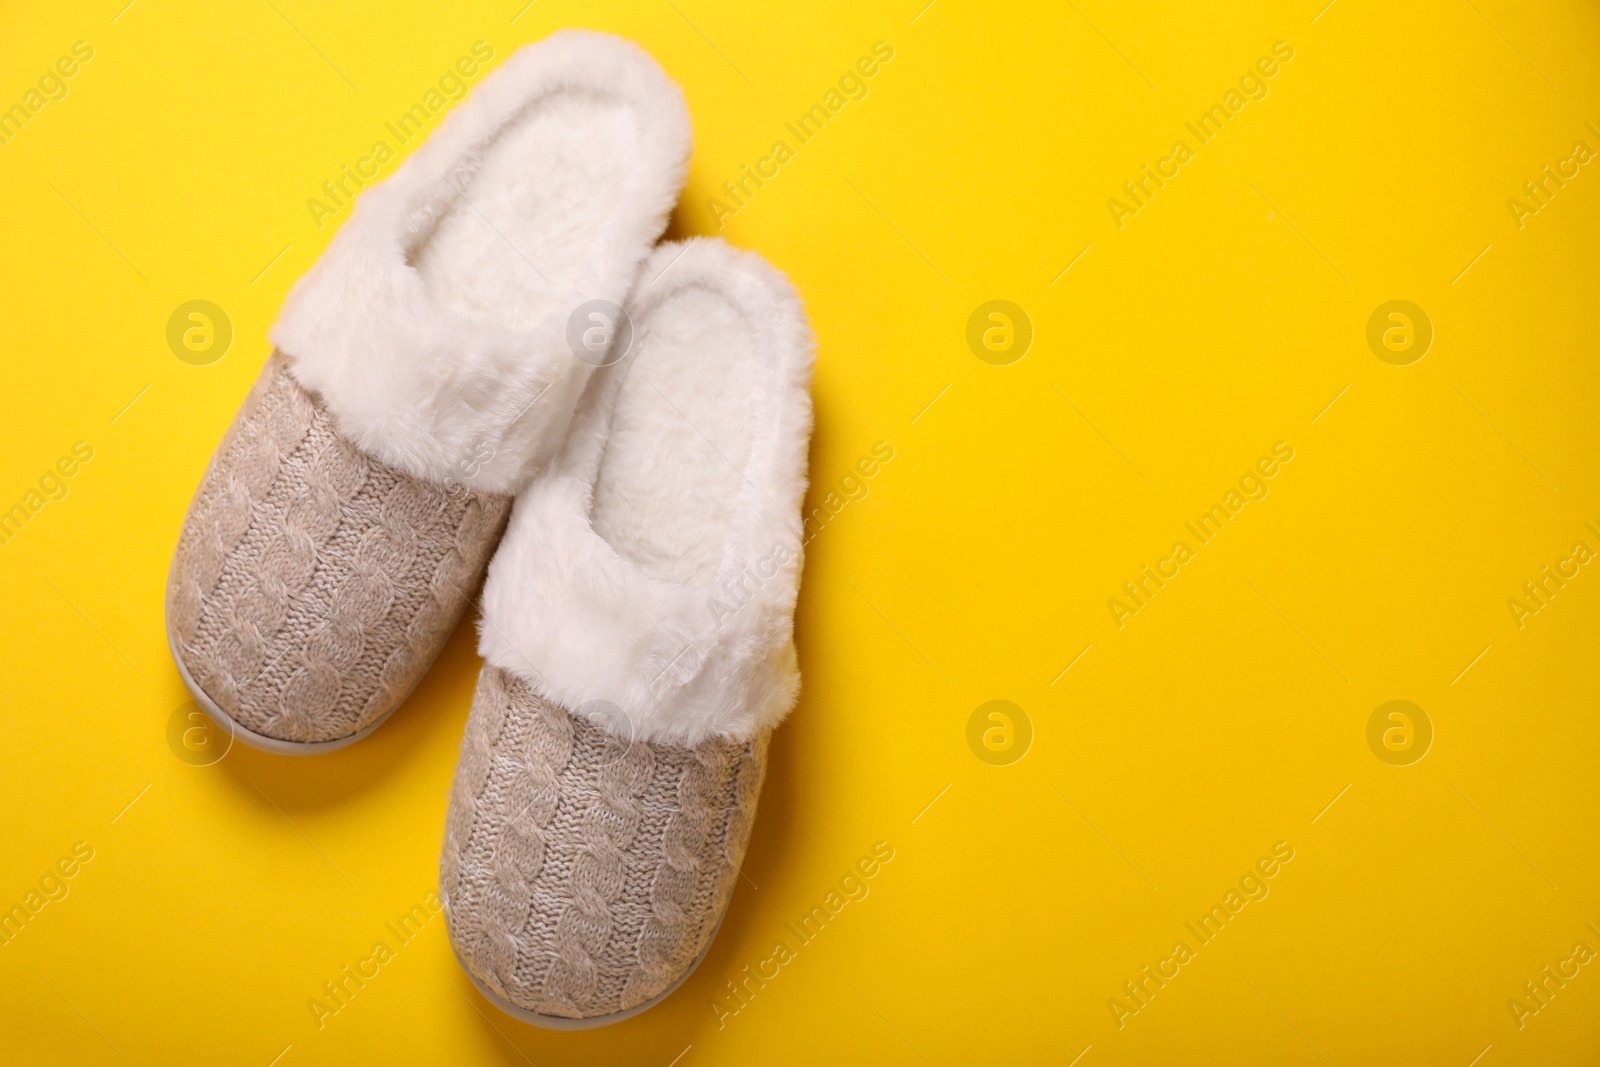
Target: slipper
(637,631)
(423,374)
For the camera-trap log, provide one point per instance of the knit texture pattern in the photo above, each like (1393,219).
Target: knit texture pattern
(583,874)
(314,584)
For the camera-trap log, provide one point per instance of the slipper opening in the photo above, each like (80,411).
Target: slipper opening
(524,216)
(682,431)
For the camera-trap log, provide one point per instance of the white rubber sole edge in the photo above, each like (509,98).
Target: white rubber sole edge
(557,1022)
(262,741)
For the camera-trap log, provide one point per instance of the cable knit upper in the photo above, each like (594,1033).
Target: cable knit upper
(313,584)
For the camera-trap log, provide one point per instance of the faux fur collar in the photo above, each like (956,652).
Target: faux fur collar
(589,629)
(438,394)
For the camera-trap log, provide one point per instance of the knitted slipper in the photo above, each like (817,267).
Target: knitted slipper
(637,624)
(423,374)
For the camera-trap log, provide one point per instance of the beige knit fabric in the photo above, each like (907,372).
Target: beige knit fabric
(313,584)
(583,875)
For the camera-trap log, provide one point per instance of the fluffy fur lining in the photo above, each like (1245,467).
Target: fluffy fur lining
(684,649)
(434,325)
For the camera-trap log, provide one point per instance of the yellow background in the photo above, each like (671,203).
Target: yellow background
(1224,717)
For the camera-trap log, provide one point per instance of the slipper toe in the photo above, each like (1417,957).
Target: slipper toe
(313,583)
(585,874)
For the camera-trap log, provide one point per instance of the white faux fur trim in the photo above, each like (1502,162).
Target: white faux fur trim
(584,625)
(457,397)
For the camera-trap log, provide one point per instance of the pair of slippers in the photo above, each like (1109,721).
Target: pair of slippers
(494,367)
